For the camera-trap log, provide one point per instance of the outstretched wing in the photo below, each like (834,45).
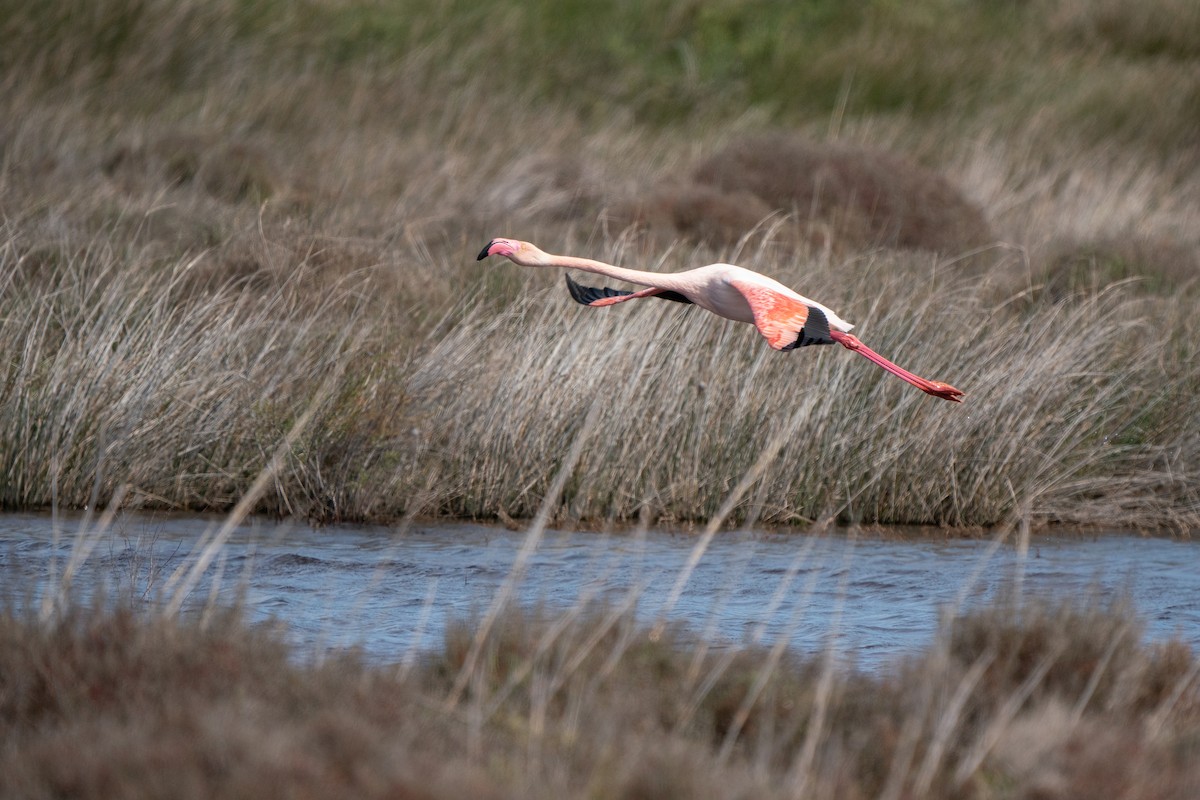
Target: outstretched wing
(604,296)
(785,322)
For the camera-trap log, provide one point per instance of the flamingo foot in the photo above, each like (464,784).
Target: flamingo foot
(942,390)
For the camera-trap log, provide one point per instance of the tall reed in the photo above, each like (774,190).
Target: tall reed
(119,375)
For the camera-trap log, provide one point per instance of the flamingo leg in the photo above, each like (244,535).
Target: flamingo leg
(935,388)
(612,301)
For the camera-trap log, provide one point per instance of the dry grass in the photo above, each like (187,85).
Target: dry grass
(295,196)
(227,225)
(1058,701)
(121,376)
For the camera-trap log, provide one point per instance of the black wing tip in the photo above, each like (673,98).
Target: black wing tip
(588,295)
(484,252)
(578,293)
(815,330)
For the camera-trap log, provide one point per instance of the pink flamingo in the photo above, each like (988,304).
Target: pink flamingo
(785,319)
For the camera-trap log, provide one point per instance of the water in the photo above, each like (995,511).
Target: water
(392,593)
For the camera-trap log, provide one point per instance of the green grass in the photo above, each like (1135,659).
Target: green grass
(663,62)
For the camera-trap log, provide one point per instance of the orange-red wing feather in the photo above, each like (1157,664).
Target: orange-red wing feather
(779,318)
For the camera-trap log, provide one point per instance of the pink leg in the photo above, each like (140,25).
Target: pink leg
(610,301)
(935,388)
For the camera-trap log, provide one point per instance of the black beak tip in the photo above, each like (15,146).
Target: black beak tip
(484,252)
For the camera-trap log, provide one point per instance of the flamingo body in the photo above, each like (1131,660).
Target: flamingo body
(784,318)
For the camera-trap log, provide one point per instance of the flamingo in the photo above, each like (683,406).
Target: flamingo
(785,319)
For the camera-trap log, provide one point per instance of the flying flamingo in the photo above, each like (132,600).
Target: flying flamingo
(785,319)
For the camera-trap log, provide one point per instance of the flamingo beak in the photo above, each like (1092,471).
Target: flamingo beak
(500,247)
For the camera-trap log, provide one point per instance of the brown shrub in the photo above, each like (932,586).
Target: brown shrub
(113,704)
(1098,645)
(870,196)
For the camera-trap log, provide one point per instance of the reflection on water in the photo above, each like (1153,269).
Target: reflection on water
(392,592)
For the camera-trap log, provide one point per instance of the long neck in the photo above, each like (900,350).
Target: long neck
(662,280)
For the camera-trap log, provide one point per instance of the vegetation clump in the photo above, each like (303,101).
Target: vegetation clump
(1054,701)
(875,199)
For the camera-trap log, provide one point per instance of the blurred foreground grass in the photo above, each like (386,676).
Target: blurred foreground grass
(1045,701)
(211,210)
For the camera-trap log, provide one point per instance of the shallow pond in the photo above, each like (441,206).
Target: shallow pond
(392,592)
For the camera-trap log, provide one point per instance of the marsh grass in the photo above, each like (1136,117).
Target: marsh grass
(209,208)
(116,381)
(178,377)
(137,698)
(236,272)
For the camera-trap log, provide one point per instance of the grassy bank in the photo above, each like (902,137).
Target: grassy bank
(221,218)
(1037,701)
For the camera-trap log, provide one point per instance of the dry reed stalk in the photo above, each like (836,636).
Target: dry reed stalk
(190,572)
(517,572)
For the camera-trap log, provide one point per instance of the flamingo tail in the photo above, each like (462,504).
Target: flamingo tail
(935,388)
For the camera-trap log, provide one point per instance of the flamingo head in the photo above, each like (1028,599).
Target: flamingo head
(519,252)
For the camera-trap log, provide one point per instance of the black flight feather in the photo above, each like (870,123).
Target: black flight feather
(589,294)
(815,330)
